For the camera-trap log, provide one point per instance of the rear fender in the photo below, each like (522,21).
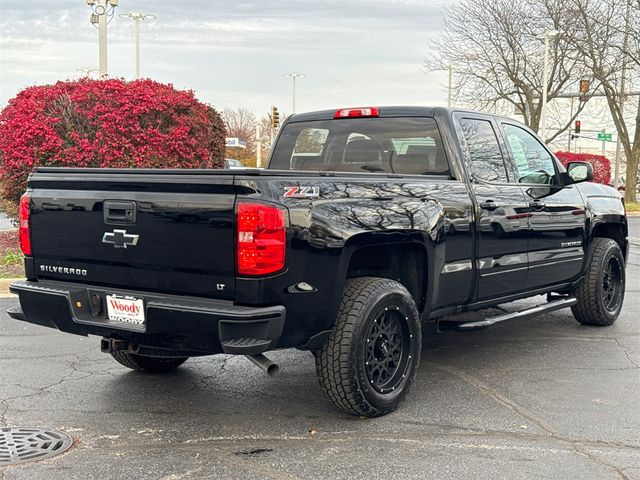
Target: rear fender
(412,226)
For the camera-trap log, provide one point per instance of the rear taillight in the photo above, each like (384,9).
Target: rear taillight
(25,237)
(261,238)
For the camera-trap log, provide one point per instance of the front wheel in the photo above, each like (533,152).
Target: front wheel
(370,359)
(601,291)
(148,364)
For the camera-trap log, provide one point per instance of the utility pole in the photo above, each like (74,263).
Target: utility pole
(623,98)
(293,77)
(137,17)
(570,134)
(450,85)
(102,15)
(545,82)
(258,147)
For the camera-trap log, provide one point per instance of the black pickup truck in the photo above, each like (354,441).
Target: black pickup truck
(366,223)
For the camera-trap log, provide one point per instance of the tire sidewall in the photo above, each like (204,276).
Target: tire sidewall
(406,306)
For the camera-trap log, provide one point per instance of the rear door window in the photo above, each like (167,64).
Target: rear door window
(484,150)
(404,145)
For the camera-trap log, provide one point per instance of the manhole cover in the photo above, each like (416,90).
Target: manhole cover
(26,444)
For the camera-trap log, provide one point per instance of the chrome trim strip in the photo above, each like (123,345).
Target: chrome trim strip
(503,261)
(553,253)
(546,264)
(457,266)
(503,271)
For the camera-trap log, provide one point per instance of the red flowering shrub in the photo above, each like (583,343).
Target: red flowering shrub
(601,165)
(106,123)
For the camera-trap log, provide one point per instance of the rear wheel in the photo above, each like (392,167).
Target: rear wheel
(370,359)
(148,364)
(601,292)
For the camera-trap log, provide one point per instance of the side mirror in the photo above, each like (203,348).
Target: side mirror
(580,171)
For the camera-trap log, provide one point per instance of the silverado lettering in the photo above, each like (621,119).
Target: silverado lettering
(67,270)
(424,213)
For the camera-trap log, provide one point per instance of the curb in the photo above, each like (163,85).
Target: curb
(4,287)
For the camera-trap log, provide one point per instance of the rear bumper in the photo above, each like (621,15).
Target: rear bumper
(173,322)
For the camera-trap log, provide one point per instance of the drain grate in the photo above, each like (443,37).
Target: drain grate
(27,444)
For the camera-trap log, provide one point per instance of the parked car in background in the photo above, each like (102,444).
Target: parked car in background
(232,164)
(622,180)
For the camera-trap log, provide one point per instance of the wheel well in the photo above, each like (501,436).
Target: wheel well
(615,231)
(391,261)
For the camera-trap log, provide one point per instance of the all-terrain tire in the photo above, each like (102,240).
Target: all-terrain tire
(601,292)
(148,364)
(371,308)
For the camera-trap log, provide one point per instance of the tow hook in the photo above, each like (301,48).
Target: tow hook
(266,365)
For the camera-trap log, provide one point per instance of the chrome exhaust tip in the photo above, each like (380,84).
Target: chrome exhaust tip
(266,365)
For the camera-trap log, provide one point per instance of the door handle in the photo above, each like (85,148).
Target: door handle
(537,205)
(489,205)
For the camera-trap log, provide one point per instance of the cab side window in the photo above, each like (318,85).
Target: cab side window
(484,151)
(533,162)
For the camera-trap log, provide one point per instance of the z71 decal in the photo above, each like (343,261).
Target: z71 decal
(301,192)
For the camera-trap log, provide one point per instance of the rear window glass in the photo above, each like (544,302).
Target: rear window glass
(409,145)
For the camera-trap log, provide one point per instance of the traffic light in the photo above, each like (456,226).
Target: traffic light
(577,126)
(584,89)
(275,117)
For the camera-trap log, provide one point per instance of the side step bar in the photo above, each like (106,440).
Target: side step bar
(530,312)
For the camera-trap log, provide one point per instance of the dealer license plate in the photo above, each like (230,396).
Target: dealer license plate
(125,309)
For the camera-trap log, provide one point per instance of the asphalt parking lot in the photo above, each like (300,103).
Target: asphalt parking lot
(540,398)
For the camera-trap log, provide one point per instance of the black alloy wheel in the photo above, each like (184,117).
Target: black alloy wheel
(612,284)
(387,357)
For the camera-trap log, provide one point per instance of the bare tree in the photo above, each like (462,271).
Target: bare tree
(265,137)
(498,60)
(241,123)
(608,42)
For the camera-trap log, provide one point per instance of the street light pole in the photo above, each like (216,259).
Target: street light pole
(137,22)
(137,17)
(293,77)
(102,37)
(103,11)
(545,82)
(450,85)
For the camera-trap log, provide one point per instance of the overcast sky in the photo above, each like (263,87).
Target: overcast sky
(233,53)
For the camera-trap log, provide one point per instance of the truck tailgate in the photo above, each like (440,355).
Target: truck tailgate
(149,230)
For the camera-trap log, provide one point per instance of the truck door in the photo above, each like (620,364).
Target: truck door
(556,212)
(501,212)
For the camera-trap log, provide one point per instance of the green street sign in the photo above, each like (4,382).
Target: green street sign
(604,137)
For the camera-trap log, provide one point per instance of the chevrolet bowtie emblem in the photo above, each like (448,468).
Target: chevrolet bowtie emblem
(120,238)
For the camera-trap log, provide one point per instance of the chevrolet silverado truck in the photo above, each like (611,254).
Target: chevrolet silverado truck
(366,223)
